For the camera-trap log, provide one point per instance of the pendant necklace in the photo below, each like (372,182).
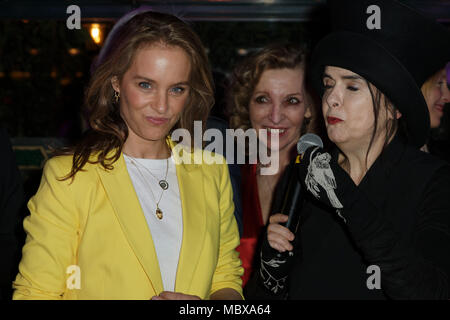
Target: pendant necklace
(162,183)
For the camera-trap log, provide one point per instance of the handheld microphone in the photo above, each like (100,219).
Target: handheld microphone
(275,266)
(293,196)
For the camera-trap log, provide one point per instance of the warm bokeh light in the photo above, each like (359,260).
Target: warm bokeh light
(96,33)
(65,81)
(19,75)
(242,51)
(74,51)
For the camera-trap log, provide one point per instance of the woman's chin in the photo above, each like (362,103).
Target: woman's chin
(435,121)
(277,147)
(336,139)
(154,136)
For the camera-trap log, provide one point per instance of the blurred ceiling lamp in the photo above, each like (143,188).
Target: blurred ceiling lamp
(242,52)
(65,81)
(96,33)
(19,75)
(74,51)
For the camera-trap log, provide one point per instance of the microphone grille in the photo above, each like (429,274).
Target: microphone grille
(308,140)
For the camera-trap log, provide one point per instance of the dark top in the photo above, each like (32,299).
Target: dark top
(11,200)
(400,223)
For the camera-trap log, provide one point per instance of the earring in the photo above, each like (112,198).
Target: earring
(116,96)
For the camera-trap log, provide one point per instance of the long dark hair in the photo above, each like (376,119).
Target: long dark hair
(381,103)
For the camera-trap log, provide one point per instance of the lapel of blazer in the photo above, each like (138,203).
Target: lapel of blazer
(190,182)
(123,198)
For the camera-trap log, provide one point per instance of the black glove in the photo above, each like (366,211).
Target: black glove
(326,180)
(275,267)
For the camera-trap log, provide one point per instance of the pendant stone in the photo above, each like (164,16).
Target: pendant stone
(159,213)
(163,184)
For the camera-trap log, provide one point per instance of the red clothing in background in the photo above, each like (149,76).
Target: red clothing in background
(252,218)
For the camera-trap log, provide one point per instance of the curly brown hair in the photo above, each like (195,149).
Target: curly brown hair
(247,74)
(108,130)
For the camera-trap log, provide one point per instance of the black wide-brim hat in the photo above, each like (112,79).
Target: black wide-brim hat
(397,59)
(375,64)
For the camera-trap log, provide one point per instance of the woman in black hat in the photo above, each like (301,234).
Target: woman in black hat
(376,219)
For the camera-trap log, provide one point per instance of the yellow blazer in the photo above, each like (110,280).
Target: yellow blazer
(96,224)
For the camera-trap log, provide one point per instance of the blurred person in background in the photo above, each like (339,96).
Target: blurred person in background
(437,95)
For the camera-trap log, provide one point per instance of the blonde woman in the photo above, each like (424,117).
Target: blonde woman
(119,211)
(267,93)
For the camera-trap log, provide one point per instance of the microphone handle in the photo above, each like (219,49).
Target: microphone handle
(292,200)
(273,276)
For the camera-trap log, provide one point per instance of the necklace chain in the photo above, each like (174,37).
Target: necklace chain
(162,183)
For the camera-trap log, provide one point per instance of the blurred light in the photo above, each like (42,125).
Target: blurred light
(65,81)
(96,33)
(19,74)
(74,51)
(242,52)
(2,74)
(34,51)
(25,21)
(53,74)
(79,74)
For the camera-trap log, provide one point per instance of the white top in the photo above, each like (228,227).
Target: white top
(166,233)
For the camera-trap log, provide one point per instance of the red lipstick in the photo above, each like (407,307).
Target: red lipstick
(333,120)
(439,107)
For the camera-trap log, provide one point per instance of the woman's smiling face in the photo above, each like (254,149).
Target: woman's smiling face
(437,96)
(278,105)
(154,91)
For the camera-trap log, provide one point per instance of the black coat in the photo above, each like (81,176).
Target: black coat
(400,223)
(11,201)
